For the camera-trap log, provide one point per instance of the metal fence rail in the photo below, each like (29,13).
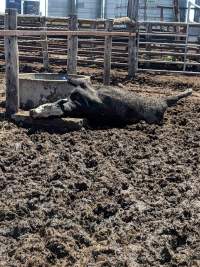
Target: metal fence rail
(168,47)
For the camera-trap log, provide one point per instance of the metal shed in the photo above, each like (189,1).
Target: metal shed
(31,7)
(86,9)
(89,9)
(155,10)
(150,10)
(59,8)
(115,9)
(14,4)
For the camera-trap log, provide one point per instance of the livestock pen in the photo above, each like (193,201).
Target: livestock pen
(11,34)
(101,196)
(144,46)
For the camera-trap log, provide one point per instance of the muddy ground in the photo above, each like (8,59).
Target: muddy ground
(105,197)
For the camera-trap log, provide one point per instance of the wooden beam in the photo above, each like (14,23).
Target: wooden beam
(61,124)
(132,12)
(16,33)
(107,53)
(44,44)
(72,46)
(12,64)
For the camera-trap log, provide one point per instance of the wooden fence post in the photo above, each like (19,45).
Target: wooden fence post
(72,46)
(132,54)
(12,64)
(107,53)
(132,12)
(44,44)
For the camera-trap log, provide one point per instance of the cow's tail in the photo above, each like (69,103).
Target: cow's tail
(172,100)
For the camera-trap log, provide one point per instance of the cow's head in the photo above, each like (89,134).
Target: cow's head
(47,110)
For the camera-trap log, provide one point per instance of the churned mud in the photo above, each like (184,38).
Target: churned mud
(105,197)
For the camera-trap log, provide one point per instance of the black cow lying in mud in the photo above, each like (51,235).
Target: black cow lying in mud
(108,105)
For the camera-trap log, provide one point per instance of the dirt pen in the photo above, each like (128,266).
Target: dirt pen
(105,196)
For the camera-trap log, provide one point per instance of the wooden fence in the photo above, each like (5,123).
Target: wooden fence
(53,49)
(162,46)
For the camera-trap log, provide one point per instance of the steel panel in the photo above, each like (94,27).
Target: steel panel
(31,7)
(88,9)
(14,4)
(118,8)
(59,8)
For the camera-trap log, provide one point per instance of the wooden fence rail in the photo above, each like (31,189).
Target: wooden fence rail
(19,33)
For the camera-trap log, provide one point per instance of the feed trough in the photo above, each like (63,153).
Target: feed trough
(40,88)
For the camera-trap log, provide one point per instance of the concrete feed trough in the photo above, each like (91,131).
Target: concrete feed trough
(37,89)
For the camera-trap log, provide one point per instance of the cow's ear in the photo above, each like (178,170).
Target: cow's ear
(62,101)
(84,85)
(78,98)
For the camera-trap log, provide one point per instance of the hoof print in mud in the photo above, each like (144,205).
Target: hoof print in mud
(58,249)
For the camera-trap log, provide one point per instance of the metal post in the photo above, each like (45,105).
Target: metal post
(187,36)
(45,8)
(73,7)
(190,4)
(102,5)
(22,7)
